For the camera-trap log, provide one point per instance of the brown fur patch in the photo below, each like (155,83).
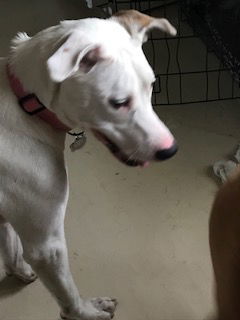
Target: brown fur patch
(128,18)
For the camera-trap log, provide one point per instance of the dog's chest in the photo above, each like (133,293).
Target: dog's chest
(32,170)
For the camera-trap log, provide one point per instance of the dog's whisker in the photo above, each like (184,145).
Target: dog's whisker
(131,156)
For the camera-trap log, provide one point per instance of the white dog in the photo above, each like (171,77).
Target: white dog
(89,72)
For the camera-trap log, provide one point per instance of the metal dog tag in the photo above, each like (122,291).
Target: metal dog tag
(79,142)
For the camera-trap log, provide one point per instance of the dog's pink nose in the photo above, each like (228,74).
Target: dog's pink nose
(165,154)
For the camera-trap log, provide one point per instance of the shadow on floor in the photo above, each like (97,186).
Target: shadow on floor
(10,286)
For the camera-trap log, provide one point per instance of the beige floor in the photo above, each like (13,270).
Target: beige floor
(138,235)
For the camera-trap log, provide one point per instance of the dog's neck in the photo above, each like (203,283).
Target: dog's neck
(30,103)
(28,64)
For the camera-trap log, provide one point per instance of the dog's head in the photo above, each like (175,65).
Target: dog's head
(105,83)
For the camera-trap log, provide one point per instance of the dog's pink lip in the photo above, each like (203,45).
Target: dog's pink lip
(114,149)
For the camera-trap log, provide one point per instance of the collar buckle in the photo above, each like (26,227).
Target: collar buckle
(31,101)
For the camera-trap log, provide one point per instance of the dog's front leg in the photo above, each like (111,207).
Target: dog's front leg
(48,257)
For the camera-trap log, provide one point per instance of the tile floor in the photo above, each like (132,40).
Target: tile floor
(139,235)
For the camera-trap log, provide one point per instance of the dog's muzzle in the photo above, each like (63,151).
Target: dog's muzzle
(115,150)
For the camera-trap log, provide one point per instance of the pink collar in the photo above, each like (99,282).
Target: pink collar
(30,103)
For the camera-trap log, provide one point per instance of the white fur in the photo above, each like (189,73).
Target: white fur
(33,181)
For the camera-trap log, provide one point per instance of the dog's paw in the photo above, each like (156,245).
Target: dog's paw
(105,304)
(94,309)
(23,273)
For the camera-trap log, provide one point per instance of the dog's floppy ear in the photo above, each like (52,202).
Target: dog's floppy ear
(71,57)
(138,24)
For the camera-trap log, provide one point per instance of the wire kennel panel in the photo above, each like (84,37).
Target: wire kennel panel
(194,66)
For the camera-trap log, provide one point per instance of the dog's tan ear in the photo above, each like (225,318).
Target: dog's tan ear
(138,24)
(71,57)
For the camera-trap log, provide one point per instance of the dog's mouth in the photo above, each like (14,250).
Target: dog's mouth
(115,150)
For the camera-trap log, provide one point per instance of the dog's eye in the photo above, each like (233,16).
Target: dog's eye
(117,104)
